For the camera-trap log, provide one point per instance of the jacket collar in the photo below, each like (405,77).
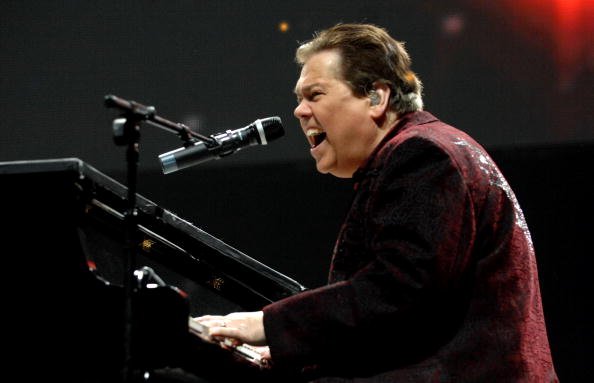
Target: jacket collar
(409,119)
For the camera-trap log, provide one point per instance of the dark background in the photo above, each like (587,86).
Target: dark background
(507,73)
(516,75)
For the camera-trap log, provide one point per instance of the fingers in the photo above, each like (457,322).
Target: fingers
(246,327)
(212,321)
(218,323)
(242,332)
(218,329)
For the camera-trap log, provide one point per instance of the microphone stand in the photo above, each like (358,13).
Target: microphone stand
(126,132)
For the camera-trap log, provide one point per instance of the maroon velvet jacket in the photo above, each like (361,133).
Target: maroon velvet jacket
(433,276)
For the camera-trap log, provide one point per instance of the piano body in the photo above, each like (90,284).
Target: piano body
(64,239)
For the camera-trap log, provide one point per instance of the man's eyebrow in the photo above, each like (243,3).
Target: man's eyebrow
(305,88)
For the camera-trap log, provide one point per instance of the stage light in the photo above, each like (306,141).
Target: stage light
(283,26)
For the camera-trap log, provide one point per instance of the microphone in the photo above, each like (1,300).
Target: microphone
(260,132)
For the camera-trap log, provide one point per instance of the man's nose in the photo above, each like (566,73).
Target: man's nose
(302,110)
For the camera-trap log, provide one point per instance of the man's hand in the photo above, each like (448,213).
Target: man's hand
(240,327)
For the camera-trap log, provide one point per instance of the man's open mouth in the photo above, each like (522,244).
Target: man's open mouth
(315,137)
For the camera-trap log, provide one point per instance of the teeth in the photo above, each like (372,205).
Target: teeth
(315,137)
(313,132)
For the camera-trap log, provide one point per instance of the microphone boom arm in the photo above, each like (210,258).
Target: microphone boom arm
(148,114)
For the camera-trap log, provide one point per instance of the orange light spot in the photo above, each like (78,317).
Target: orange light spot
(283,26)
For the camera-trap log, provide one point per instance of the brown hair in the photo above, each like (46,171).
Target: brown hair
(369,55)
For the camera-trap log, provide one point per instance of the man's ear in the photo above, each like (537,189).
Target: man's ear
(379,98)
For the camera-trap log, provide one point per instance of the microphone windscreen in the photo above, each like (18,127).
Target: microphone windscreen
(273,128)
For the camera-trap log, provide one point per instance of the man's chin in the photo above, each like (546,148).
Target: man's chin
(323,168)
(332,170)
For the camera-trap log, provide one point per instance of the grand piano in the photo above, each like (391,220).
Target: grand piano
(64,256)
